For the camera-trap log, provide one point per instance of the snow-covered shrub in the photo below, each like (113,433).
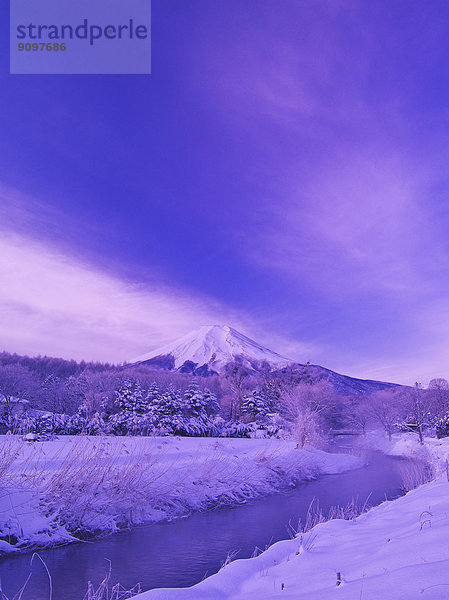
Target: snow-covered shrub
(201,426)
(236,429)
(95,425)
(43,424)
(266,430)
(117,424)
(442,426)
(255,429)
(77,423)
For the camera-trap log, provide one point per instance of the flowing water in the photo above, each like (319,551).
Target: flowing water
(182,552)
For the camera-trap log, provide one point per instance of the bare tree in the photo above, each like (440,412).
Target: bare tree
(359,414)
(385,407)
(438,389)
(237,374)
(303,405)
(418,403)
(16,383)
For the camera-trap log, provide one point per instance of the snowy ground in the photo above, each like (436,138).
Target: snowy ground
(397,551)
(50,491)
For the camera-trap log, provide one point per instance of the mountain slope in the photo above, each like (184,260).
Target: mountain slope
(207,350)
(344,385)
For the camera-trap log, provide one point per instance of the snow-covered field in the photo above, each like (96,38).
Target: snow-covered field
(397,551)
(51,491)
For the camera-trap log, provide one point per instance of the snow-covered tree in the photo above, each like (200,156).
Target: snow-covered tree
(194,401)
(438,390)
(442,426)
(256,404)
(198,402)
(132,407)
(168,411)
(153,396)
(237,373)
(303,406)
(78,422)
(130,398)
(418,404)
(358,414)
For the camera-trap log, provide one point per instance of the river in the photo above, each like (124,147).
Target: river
(182,552)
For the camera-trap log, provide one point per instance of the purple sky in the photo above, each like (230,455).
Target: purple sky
(283,171)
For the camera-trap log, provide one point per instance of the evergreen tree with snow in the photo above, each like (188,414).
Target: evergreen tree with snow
(169,411)
(152,398)
(194,400)
(256,405)
(124,397)
(77,423)
(198,405)
(132,405)
(210,402)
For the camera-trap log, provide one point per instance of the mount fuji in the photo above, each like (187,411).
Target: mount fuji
(212,347)
(207,350)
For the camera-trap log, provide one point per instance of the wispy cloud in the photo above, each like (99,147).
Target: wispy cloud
(52,303)
(364,220)
(58,298)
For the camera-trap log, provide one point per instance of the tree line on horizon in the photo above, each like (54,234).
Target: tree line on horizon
(49,396)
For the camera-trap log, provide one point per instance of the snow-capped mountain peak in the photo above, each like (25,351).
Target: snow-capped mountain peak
(214,346)
(208,349)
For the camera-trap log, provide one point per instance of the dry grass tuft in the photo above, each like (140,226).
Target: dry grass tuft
(415,472)
(107,592)
(104,591)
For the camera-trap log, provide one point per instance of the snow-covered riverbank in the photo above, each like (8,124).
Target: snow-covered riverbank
(50,491)
(396,551)
(434,451)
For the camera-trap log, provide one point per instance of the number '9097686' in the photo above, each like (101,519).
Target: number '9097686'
(42,47)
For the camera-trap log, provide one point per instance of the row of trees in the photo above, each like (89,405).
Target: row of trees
(142,400)
(93,385)
(44,366)
(405,408)
(134,411)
